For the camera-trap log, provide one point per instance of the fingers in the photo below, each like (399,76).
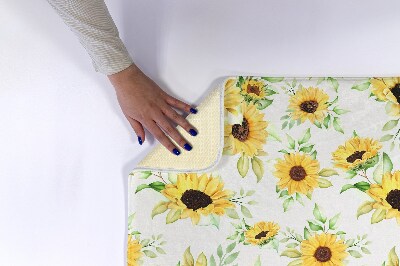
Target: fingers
(180,105)
(161,137)
(178,119)
(138,128)
(171,131)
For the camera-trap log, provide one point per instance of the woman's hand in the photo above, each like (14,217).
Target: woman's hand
(146,105)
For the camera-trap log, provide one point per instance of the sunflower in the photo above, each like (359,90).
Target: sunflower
(253,89)
(188,259)
(134,251)
(387,195)
(309,103)
(355,152)
(232,97)
(388,90)
(297,172)
(198,195)
(261,233)
(323,250)
(249,136)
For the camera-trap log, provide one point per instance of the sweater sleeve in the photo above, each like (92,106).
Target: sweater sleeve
(92,23)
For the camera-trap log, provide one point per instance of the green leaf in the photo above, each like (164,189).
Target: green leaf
(157,186)
(340,111)
(315,227)
(333,221)
(291,253)
(390,125)
(173,216)
(324,183)
(141,187)
(337,126)
(149,253)
(363,186)
(273,79)
(291,142)
(243,165)
(318,124)
(258,168)
(232,213)
(346,187)
(365,208)
(306,137)
(212,261)
(326,121)
(393,258)
(161,207)
(384,166)
(246,211)
(264,103)
(298,262)
(362,86)
(230,247)
(326,172)
(145,174)
(386,138)
(318,215)
(231,258)
(378,215)
(287,203)
(365,250)
(219,251)
(258,261)
(334,83)
(307,233)
(355,253)
(307,149)
(160,250)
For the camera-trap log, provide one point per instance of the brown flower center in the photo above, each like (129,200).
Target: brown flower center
(261,235)
(393,198)
(323,254)
(297,173)
(396,92)
(195,199)
(241,132)
(309,106)
(357,155)
(253,89)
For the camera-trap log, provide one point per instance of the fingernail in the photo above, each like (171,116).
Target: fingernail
(193,110)
(193,132)
(140,140)
(176,152)
(187,147)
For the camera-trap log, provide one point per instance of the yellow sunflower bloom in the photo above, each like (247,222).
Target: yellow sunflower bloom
(232,97)
(355,152)
(188,259)
(198,195)
(323,250)
(298,173)
(261,233)
(253,88)
(387,195)
(388,89)
(309,103)
(249,136)
(134,251)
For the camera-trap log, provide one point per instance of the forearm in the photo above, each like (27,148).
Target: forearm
(91,21)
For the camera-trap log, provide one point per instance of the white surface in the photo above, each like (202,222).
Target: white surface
(65,148)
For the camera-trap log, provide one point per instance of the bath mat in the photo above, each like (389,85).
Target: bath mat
(284,171)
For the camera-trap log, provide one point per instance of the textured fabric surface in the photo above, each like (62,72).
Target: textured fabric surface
(310,175)
(206,145)
(91,21)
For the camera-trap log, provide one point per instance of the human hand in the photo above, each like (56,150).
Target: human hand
(146,105)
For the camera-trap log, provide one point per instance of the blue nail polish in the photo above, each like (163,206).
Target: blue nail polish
(193,111)
(193,132)
(187,147)
(140,140)
(176,152)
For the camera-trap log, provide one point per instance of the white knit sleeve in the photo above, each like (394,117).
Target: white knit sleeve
(91,21)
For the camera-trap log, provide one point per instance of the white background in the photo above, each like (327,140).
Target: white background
(65,148)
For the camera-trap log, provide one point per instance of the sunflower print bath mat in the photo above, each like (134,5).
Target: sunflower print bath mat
(308,173)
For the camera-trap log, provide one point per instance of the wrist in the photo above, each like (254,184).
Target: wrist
(124,75)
